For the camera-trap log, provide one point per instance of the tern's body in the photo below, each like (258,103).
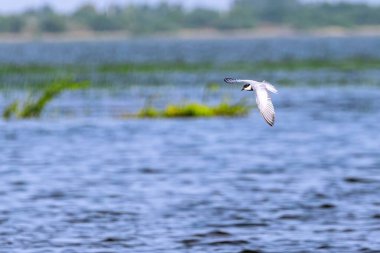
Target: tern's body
(263,100)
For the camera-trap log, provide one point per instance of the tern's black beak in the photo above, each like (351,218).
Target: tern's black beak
(242,89)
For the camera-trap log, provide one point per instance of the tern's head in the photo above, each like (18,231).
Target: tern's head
(247,87)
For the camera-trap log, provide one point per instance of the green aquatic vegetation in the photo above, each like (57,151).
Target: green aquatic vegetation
(21,69)
(148,112)
(33,107)
(189,110)
(36,76)
(212,87)
(156,67)
(26,69)
(10,110)
(350,64)
(227,110)
(223,109)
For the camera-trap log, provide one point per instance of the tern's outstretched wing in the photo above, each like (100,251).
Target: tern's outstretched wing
(233,80)
(265,105)
(230,80)
(267,85)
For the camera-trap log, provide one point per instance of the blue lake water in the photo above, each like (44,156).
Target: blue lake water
(161,50)
(81,179)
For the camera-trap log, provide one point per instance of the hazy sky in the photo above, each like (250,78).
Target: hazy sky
(8,6)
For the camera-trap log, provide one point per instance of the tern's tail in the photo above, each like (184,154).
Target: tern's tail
(230,80)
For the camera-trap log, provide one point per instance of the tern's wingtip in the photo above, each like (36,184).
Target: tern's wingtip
(229,80)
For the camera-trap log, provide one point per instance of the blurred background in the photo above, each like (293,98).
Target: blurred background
(119,135)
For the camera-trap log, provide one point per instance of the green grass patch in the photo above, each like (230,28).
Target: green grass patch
(197,110)
(156,67)
(343,65)
(33,107)
(149,112)
(26,69)
(108,76)
(350,64)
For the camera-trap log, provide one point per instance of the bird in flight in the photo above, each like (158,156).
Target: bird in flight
(263,100)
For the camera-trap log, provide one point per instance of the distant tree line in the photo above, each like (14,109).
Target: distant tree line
(145,19)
